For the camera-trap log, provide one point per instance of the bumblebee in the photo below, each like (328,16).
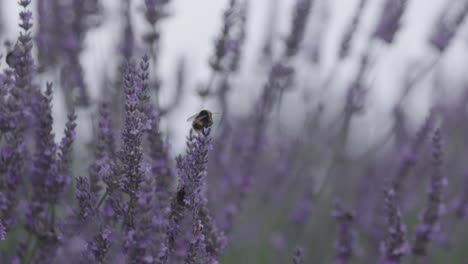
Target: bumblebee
(180,196)
(202,120)
(13,56)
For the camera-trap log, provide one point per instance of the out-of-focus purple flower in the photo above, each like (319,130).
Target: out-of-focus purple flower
(101,244)
(2,230)
(302,211)
(278,241)
(355,97)
(75,15)
(104,147)
(429,219)
(47,183)
(86,201)
(215,240)
(462,207)
(301,13)
(351,30)
(155,11)
(161,169)
(128,40)
(298,257)
(344,245)
(141,247)
(411,153)
(228,45)
(390,20)
(394,246)
(447,25)
(48,37)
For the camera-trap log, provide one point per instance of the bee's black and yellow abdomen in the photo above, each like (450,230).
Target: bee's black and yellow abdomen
(197,125)
(203,120)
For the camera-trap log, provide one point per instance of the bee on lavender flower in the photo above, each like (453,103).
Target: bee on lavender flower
(180,197)
(13,56)
(202,120)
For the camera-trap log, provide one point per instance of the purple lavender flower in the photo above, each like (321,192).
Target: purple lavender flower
(298,257)
(462,206)
(125,174)
(390,18)
(140,246)
(355,98)
(65,149)
(344,218)
(228,45)
(301,14)
(131,154)
(101,244)
(127,45)
(155,11)
(429,220)
(86,199)
(394,246)
(46,180)
(2,230)
(302,211)
(190,202)
(447,25)
(410,155)
(47,38)
(24,68)
(104,147)
(74,14)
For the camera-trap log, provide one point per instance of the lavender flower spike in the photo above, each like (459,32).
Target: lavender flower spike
(343,246)
(389,23)
(447,26)
(300,17)
(394,245)
(131,154)
(435,207)
(298,257)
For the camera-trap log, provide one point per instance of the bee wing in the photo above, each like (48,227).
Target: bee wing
(191,118)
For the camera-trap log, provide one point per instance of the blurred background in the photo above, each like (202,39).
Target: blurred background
(190,31)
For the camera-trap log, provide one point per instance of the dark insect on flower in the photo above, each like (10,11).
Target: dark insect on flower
(13,57)
(202,120)
(181,196)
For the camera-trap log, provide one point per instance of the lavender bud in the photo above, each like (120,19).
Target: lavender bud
(447,25)
(298,257)
(301,15)
(394,246)
(390,18)
(430,217)
(344,218)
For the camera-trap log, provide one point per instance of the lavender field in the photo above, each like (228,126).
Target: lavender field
(314,131)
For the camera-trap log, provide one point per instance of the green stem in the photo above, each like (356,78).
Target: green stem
(104,196)
(52,216)
(29,241)
(127,213)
